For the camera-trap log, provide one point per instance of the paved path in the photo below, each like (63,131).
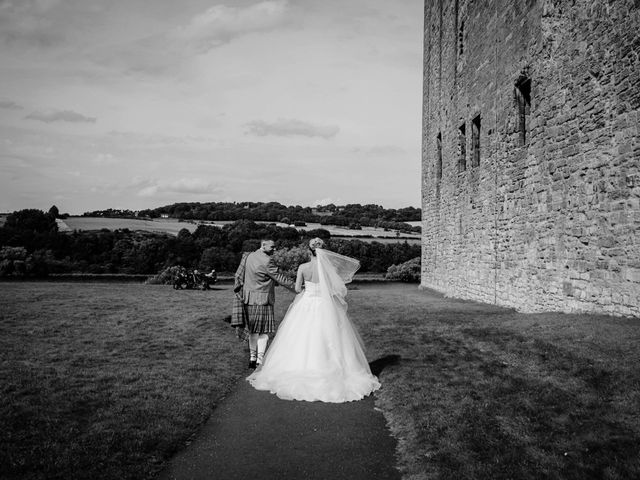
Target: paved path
(253,435)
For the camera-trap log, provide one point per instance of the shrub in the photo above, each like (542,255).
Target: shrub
(6,267)
(165,277)
(12,261)
(219,258)
(289,260)
(318,232)
(13,253)
(408,271)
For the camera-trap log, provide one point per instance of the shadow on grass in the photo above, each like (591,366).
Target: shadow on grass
(378,365)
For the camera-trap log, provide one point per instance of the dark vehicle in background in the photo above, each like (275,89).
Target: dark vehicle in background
(194,280)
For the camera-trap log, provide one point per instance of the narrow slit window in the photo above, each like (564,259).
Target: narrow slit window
(523,104)
(462,148)
(475,141)
(439,157)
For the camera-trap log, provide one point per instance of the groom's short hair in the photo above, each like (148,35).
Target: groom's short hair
(264,241)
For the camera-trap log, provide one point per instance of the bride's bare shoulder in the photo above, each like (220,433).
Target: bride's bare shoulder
(304,266)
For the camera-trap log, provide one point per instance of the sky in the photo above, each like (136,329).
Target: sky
(137,104)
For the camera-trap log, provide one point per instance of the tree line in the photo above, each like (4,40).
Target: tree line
(31,245)
(351,215)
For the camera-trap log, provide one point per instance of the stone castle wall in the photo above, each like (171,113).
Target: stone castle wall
(548,218)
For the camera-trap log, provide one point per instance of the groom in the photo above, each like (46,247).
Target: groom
(258,294)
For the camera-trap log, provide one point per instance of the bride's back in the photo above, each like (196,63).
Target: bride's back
(310,271)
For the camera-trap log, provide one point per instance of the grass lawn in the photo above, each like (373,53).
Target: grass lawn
(479,392)
(110,380)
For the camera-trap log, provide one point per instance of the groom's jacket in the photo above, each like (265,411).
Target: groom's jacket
(260,278)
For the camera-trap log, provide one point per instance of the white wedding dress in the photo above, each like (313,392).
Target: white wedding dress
(317,354)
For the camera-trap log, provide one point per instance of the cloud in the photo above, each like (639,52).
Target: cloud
(28,21)
(170,51)
(221,24)
(291,127)
(182,185)
(9,105)
(50,116)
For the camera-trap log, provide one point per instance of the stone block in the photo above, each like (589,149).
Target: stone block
(567,289)
(607,241)
(632,274)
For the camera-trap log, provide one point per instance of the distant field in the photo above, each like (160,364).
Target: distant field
(170,226)
(173,226)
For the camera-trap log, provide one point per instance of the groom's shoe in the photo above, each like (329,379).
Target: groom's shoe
(252,364)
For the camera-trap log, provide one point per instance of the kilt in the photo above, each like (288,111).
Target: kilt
(238,308)
(239,318)
(260,319)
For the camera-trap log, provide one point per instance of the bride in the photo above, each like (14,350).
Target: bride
(317,353)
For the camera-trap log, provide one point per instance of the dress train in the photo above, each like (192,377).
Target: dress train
(317,354)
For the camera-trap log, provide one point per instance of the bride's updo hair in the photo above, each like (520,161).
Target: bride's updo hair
(315,243)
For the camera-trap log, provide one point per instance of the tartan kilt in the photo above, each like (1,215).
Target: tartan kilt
(239,318)
(260,319)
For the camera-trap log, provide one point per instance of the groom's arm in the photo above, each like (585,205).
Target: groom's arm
(279,278)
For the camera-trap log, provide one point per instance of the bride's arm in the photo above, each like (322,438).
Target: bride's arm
(299,280)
